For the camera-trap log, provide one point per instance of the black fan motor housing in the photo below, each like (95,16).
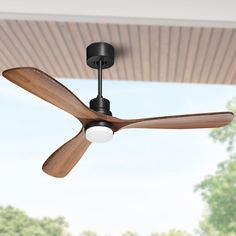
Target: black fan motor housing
(101,104)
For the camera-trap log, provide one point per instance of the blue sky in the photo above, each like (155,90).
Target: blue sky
(143,180)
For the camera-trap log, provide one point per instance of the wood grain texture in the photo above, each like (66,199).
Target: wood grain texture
(143,52)
(44,86)
(50,90)
(189,121)
(60,163)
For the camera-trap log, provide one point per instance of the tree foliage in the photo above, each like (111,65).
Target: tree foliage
(130,233)
(219,189)
(227,134)
(88,233)
(207,229)
(172,233)
(14,222)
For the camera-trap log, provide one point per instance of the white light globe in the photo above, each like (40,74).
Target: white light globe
(99,134)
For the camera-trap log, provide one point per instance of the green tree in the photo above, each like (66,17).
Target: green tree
(129,233)
(172,233)
(219,189)
(88,233)
(207,229)
(14,222)
(227,134)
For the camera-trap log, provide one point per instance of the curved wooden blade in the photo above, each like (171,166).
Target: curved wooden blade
(44,86)
(190,121)
(65,158)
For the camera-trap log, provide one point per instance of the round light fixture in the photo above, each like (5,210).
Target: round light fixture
(98,132)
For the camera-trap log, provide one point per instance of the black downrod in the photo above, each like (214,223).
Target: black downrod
(100,56)
(100,79)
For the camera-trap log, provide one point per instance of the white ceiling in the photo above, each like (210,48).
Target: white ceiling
(169,40)
(200,10)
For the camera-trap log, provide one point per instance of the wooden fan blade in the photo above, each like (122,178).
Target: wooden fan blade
(190,121)
(64,159)
(44,86)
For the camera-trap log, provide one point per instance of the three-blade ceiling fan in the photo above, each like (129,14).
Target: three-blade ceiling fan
(98,124)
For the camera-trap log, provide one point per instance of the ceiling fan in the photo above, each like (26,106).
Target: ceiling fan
(98,124)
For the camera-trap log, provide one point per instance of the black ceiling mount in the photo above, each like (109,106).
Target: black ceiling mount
(100,56)
(100,51)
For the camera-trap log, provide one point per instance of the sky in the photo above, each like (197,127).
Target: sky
(143,180)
